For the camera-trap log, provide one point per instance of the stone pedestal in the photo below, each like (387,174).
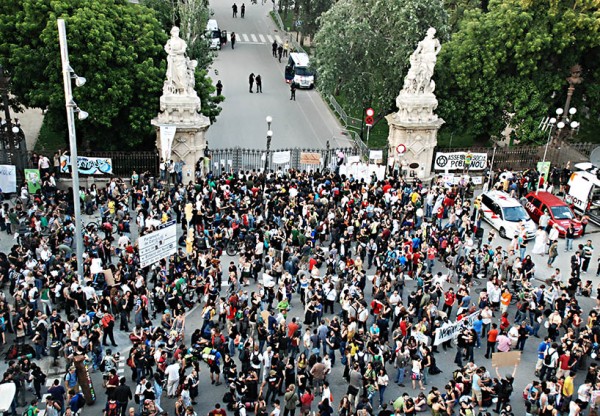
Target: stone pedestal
(183,112)
(415,126)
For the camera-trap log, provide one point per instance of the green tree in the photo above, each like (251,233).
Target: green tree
(309,13)
(116,45)
(508,67)
(362,48)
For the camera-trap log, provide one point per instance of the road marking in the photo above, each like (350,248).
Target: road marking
(278,39)
(246,39)
(262,38)
(271,40)
(254,38)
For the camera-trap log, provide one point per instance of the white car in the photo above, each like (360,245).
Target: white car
(506,214)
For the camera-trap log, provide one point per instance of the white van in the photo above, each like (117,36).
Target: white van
(583,192)
(298,71)
(213,34)
(506,214)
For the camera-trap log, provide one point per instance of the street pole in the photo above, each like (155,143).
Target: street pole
(70,107)
(491,170)
(544,159)
(368,131)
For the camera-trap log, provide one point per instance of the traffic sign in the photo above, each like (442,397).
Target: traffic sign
(370,112)
(401,149)
(369,121)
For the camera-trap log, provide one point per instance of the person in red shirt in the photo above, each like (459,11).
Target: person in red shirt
(491,341)
(292,328)
(449,299)
(217,411)
(563,364)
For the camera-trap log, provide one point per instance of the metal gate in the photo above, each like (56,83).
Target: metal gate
(237,158)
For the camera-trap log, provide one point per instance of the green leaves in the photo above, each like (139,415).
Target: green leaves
(511,64)
(362,47)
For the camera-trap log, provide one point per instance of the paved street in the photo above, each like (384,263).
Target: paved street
(306,122)
(210,394)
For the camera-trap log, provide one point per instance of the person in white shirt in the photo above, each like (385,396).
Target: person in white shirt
(172,373)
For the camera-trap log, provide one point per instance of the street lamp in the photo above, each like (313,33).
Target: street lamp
(11,134)
(72,108)
(269,121)
(269,136)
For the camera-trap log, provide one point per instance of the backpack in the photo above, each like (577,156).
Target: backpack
(508,389)
(80,401)
(548,358)
(111,409)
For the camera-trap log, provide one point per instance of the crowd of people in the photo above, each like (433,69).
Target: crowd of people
(361,259)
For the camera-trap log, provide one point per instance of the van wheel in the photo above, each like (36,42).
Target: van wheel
(502,232)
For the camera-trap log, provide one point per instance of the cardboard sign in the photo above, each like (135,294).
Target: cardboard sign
(308,158)
(506,359)
(108,276)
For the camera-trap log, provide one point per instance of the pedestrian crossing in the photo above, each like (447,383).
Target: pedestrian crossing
(256,38)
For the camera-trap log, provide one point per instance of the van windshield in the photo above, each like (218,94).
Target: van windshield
(303,71)
(216,34)
(515,214)
(562,213)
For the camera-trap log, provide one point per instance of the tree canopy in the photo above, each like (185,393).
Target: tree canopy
(509,66)
(362,48)
(117,46)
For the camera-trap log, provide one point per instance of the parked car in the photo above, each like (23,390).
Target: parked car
(506,214)
(559,211)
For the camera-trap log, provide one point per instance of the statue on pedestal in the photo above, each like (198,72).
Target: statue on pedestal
(180,69)
(422,63)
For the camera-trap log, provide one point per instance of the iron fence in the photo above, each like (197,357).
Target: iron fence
(239,159)
(526,157)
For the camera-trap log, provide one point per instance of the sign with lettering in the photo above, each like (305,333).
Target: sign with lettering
(8,179)
(451,329)
(280,158)
(32,177)
(158,244)
(310,158)
(88,165)
(460,161)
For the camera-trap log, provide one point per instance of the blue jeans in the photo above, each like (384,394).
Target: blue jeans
(569,245)
(381,393)
(400,376)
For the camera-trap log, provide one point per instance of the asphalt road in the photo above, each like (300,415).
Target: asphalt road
(210,394)
(306,122)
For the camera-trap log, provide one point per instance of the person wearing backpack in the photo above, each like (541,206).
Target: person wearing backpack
(505,388)
(111,408)
(32,410)
(76,401)
(550,362)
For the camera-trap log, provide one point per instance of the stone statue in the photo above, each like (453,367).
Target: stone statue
(422,63)
(177,65)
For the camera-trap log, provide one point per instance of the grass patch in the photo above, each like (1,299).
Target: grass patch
(288,22)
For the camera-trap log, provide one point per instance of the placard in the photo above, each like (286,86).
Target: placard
(281,157)
(108,277)
(158,244)
(506,359)
(376,154)
(8,179)
(88,165)
(456,161)
(310,158)
(32,177)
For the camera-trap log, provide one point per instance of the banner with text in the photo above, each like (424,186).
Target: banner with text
(167,134)
(88,165)
(310,158)
(8,179)
(451,329)
(456,161)
(281,157)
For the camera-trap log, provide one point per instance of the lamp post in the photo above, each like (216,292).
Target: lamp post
(68,75)
(13,138)
(556,128)
(269,136)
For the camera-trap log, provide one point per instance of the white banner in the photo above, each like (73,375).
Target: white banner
(451,329)
(158,244)
(87,165)
(456,161)
(363,171)
(8,179)
(376,155)
(281,157)
(167,134)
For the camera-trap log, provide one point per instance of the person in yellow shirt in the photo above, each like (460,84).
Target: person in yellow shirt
(568,386)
